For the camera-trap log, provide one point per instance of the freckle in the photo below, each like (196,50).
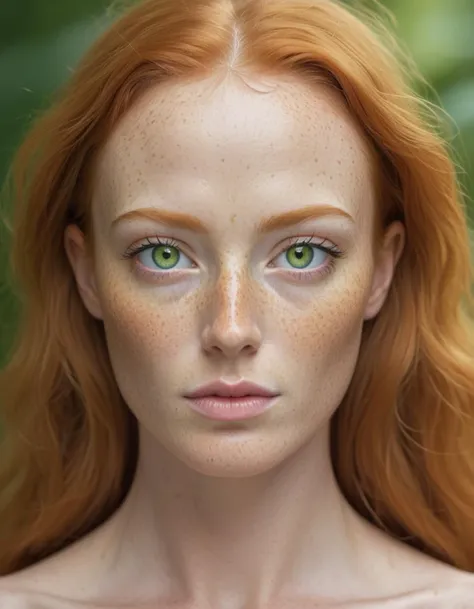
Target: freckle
(222,160)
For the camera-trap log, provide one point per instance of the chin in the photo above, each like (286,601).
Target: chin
(232,452)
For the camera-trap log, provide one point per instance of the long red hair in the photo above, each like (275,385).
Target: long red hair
(403,438)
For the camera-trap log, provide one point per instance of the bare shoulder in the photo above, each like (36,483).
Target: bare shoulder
(17,599)
(406,578)
(12,600)
(14,594)
(455,591)
(60,581)
(44,585)
(36,588)
(462,591)
(32,587)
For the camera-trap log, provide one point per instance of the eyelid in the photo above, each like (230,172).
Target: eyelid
(318,242)
(143,244)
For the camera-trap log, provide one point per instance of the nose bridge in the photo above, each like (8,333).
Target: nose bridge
(232,325)
(232,292)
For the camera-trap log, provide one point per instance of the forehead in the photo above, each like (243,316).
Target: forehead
(237,137)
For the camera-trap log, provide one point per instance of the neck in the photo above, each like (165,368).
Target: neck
(284,533)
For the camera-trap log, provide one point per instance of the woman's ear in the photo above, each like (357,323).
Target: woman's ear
(386,261)
(83,269)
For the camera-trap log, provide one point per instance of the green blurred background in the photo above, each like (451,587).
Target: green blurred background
(41,41)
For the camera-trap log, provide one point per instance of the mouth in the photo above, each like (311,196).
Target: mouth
(231,408)
(225,401)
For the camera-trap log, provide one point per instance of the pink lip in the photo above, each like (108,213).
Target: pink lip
(230,402)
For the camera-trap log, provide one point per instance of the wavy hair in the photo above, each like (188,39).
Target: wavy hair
(402,439)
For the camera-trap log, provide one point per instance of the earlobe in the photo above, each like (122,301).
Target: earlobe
(82,268)
(384,270)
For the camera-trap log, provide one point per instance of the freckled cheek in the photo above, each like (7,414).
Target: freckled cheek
(143,326)
(329,325)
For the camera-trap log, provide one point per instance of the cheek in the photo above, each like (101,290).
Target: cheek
(329,319)
(321,343)
(321,352)
(145,342)
(139,325)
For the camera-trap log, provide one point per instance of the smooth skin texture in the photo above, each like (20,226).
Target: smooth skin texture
(244,514)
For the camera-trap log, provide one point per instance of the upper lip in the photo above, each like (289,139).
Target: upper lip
(237,390)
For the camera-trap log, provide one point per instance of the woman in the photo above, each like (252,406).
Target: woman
(230,199)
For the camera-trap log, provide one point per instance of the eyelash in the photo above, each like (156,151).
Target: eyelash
(333,251)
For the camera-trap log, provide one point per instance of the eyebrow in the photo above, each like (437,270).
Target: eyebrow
(174,219)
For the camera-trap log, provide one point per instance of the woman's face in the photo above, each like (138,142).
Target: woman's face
(219,170)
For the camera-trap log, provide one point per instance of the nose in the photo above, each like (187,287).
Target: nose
(232,328)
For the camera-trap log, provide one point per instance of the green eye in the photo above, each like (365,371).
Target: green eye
(165,256)
(300,256)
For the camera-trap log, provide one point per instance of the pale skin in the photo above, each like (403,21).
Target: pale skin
(241,515)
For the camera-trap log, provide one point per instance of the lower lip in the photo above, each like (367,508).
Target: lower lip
(231,409)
